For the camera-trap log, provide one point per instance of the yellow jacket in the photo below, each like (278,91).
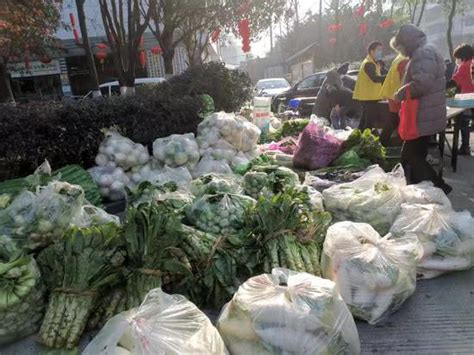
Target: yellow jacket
(392,82)
(366,89)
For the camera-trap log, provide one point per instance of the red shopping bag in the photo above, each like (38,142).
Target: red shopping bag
(408,128)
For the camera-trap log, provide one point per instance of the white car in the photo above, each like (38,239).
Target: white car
(272,87)
(113,87)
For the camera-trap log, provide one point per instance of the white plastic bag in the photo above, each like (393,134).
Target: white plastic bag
(91,215)
(111,181)
(147,172)
(374,198)
(374,275)
(181,176)
(116,150)
(288,313)
(162,325)
(177,150)
(424,193)
(209,165)
(447,237)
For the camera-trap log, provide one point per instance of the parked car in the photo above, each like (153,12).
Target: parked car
(113,87)
(307,88)
(271,87)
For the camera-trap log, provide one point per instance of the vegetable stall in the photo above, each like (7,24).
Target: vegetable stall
(289,244)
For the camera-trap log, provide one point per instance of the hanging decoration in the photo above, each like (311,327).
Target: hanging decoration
(335,27)
(3,25)
(142,59)
(27,58)
(74,29)
(387,23)
(244,8)
(360,11)
(332,40)
(101,56)
(45,59)
(156,50)
(215,35)
(102,46)
(363,28)
(244,31)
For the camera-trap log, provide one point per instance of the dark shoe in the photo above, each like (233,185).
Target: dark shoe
(465,150)
(446,188)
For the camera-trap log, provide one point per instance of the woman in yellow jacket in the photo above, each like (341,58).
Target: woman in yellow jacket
(392,83)
(369,84)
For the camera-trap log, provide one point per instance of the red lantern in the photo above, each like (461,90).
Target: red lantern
(244,31)
(335,27)
(3,25)
(101,56)
(142,59)
(73,21)
(387,23)
(156,50)
(363,28)
(45,59)
(102,46)
(332,40)
(142,42)
(27,59)
(215,35)
(360,11)
(244,8)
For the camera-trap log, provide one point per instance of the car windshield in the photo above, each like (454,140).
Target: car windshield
(272,84)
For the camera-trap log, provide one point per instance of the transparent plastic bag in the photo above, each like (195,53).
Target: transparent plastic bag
(209,165)
(315,197)
(117,150)
(424,193)
(210,184)
(147,172)
(286,312)
(111,181)
(374,275)
(447,237)
(181,176)
(91,215)
(162,325)
(177,150)
(219,213)
(374,198)
(267,180)
(316,148)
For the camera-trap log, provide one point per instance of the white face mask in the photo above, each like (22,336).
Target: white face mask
(458,61)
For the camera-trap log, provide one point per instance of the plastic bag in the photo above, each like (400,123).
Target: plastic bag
(91,215)
(111,181)
(374,275)
(116,150)
(210,184)
(351,158)
(267,180)
(148,172)
(424,193)
(177,150)
(209,165)
(162,325)
(288,313)
(316,148)
(447,237)
(374,198)
(320,121)
(315,197)
(181,176)
(219,213)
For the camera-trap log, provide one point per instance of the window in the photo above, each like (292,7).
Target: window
(309,83)
(105,91)
(115,90)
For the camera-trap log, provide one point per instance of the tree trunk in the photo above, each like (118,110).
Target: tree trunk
(450,28)
(168,56)
(6,94)
(87,48)
(422,10)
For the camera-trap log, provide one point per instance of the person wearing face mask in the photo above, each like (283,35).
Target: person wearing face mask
(462,80)
(369,83)
(424,77)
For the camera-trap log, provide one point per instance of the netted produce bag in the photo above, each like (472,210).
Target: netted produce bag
(209,165)
(111,181)
(148,172)
(236,130)
(424,193)
(177,150)
(117,150)
(219,213)
(163,324)
(288,313)
(374,198)
(316,148)
(210,184)
(22,294)
(33,220)
(447,237)
(168,193)
(374,275)
(268,180)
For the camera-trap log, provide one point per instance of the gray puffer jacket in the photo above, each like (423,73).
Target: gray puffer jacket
(425,76)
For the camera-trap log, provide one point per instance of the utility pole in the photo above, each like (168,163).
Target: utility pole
(271,35)
(297,16)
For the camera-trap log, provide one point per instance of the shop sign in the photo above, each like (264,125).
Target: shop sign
(37,68)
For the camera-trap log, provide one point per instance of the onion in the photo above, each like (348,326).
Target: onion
(101,159)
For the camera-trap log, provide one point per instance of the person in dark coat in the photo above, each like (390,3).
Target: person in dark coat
(425,78)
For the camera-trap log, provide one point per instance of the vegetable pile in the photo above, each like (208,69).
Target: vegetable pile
(177,150)
(163,324)
(374,275)
(269,179)
(288,129)
(366,145)
(288,313)
(447,237)
(111,181)
(211,184)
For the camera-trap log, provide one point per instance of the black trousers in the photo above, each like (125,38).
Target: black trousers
(390,126)
(369,110)
(417,169)
(465,126)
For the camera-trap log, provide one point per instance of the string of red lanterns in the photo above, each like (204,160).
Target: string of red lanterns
(74,29)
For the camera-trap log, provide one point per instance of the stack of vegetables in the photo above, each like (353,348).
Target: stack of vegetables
(288,313)
(76,268)
(268,179)
(22,293)
(291,128)
(374,275)
(177,150)
(210,184)
(361,148)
